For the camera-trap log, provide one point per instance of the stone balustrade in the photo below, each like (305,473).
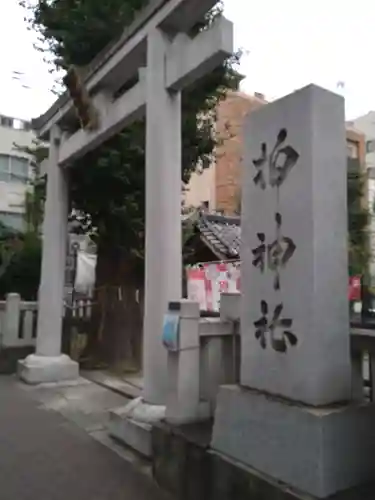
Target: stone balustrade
(18,326)
(205,356)
(208,356)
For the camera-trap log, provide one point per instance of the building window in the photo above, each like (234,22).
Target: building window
(14,169)
(18,124)
(5,121)
(21,124)
(13,220)
(205,206)
(352,149)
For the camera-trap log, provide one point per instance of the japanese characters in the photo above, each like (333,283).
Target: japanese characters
(272,326)
(280,162)
(274,255)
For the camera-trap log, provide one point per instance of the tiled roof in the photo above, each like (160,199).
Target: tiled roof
(221,234)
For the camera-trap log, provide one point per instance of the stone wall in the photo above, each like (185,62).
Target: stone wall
(184,465)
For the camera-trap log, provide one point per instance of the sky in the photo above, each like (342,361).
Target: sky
(286,45)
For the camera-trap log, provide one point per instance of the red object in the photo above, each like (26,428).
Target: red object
(355,288)
(209,280)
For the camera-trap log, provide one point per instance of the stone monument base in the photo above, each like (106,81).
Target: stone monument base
(132,424)
(39,369)
(318,451)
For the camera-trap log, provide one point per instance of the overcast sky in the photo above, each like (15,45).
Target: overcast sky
(287,45)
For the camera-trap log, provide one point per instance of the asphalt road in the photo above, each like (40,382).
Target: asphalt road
(44,456)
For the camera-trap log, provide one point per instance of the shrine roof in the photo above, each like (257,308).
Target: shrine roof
(221,234)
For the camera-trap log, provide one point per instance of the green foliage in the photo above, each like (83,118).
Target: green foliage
(188,231)
(9,243)
(20,254)
(74,32)
(7,233)
(35,194)
(358,220)
(20,259)
(113,193)
(108,184)
(22,272)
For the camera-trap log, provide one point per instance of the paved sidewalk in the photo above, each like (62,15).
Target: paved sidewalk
(44,456)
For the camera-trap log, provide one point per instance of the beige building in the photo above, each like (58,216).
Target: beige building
(14,170)
(201,189)
(217,187)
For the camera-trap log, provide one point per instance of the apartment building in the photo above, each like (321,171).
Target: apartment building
(14,170)
(217,188)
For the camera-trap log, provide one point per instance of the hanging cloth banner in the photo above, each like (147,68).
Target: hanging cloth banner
(355,288)
(85,274)
(207,281)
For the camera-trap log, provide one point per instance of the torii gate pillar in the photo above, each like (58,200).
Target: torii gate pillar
(163,213)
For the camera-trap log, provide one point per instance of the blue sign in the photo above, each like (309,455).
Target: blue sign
(171,331)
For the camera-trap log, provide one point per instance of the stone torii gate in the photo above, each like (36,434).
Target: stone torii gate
(158,49)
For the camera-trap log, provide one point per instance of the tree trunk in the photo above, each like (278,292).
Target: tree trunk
(116,325)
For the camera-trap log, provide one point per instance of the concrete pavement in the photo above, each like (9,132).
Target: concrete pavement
(50,451)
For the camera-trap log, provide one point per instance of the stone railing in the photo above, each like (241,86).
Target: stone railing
(17,322)
(18,319)
(203,355)
(363,363)
(206,355)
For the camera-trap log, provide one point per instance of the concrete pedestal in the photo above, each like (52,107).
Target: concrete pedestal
(319,451)
(132,424)
(38,369)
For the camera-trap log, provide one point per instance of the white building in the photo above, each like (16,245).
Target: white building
(14,170)
(366,125)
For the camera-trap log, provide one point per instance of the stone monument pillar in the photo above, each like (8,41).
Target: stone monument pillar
(294,420)
(48,364)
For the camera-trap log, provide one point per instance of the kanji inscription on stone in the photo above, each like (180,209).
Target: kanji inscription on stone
(280,162)
(276,254)
(264,326)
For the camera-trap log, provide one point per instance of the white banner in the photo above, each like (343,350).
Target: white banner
(206,283)
(85,275)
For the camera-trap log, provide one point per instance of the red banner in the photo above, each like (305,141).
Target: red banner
(355,288)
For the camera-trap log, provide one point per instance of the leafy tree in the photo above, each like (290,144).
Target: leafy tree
(359,243)
(9,244)
(20,252)
(358,220)
(36,190)
(22,272)
(107,185)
